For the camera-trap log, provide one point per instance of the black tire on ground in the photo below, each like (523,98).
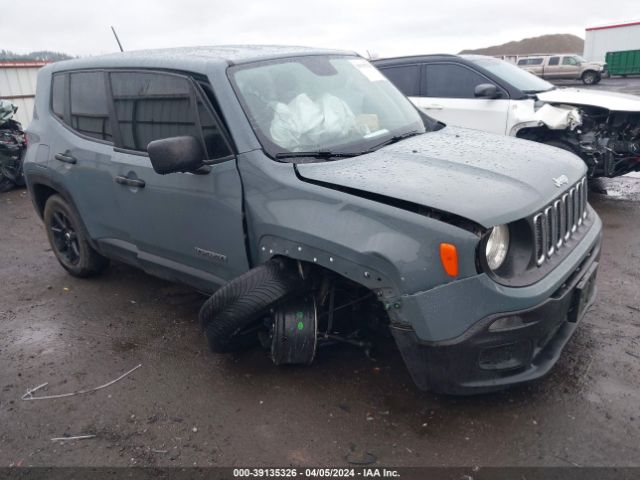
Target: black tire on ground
(5,184)
(68,239)
(19,180)
(243,302)
(589,77)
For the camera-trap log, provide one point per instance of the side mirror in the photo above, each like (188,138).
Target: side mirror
(176,154)
(486,90)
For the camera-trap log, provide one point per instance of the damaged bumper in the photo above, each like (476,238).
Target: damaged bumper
(507,347)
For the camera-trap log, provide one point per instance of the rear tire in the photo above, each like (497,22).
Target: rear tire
(5,184)
(69,240)
(240,304)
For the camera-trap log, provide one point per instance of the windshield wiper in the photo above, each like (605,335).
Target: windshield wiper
(394,139)
(315,154)
(327,154)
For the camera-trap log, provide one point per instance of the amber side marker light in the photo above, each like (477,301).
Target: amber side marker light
(449,258)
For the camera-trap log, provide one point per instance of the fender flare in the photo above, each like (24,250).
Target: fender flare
(374,279)
(34,179)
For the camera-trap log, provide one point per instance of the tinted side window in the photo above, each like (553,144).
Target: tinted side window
(554,60)
(405,78)
(89,111)
(451,81)
(58,95)
(523,61)
(535,61)
(151,106)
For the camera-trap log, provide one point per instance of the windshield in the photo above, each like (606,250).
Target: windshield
(322,104)
(519,78)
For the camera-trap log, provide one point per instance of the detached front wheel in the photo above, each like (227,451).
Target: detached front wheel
(231,316)
(69,241)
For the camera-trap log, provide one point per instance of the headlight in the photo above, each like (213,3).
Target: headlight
(497,246)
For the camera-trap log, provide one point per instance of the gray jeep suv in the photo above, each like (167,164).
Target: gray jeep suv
(295,185)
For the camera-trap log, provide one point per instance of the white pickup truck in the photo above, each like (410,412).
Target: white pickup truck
(561,66)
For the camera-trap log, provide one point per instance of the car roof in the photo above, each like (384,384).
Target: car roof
(466,59)
(413,58)
(193,58)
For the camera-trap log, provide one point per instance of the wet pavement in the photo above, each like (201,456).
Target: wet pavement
(186,406)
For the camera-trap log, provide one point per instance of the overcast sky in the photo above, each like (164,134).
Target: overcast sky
(386,28)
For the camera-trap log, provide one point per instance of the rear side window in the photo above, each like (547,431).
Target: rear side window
(406,78)
(152,106)
(89,112)
(523,61)
(535,61)
(554,60)
(448,80)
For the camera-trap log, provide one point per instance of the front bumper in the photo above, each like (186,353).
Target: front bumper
(483,359)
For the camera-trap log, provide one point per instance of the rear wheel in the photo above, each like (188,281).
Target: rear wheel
(6,184)
(69,240)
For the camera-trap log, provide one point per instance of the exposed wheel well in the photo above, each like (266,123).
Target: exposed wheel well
(537,134)
(41,194)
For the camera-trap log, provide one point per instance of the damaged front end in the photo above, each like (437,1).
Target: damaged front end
(608,141)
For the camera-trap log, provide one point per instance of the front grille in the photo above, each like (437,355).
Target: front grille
(555,225)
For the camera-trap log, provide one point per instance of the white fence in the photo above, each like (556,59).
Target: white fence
(18,85)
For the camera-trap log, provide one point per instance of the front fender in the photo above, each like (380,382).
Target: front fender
(380,246)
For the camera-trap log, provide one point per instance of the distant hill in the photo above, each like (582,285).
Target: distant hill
(41,56)
(556,43)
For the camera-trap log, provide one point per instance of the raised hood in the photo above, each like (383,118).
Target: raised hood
(620,102)
(486,178)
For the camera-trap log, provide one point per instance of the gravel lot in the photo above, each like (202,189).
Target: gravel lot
(186,406)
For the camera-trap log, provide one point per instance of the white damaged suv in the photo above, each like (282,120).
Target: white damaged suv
(485,93)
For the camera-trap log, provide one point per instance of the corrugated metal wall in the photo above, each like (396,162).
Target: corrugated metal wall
(599,41)
(18,85)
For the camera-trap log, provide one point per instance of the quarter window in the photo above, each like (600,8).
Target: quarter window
(89,107)
(152,106)
(58,95)
(448,80)
(405,78)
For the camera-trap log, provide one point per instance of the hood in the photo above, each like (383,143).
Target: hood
(485,178)
(621,102)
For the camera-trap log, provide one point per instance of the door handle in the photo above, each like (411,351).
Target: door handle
(434,106)
(63,157)
(129,182)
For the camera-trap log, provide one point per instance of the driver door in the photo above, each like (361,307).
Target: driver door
(184,226)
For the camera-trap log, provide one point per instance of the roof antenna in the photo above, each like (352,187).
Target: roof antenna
(117,39)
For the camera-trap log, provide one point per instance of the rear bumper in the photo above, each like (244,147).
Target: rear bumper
(485,359)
